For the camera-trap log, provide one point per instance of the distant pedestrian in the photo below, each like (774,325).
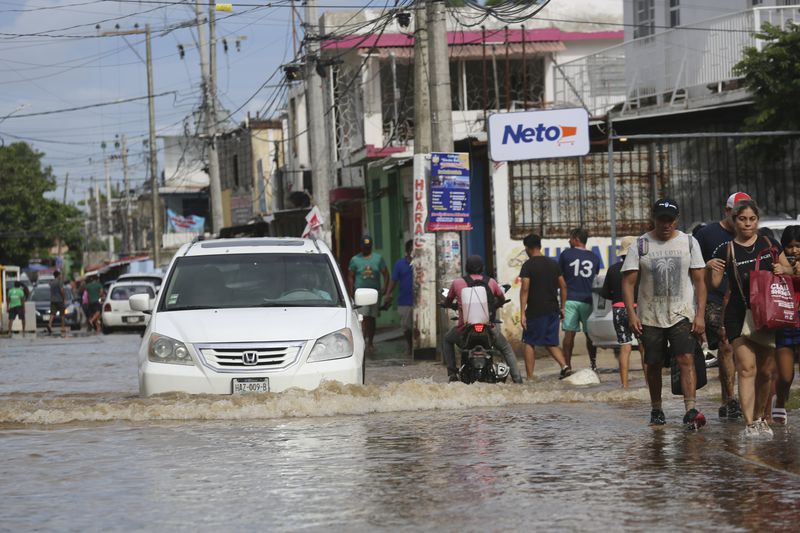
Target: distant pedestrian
(403,277)
(579,267)
(58,300)
(612,290)
(753,351)
(540,312)
(94,297)
(711,238)
(365,272)
(671,306)
(16,305)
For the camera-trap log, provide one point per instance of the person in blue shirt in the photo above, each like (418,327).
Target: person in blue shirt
(403,277)
(579,267)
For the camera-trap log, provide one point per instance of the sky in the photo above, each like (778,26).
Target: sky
(65,65)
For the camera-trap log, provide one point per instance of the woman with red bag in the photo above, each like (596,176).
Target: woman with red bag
(754,351)
(787,341)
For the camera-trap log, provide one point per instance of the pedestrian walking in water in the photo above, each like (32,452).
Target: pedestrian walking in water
(403,277)
(58,298)
(94,297)
(670,315)
(711,238)
(540,312)
(579,267)
(753,351)
(16,305)
(787,341)
(612,290)
(366,271)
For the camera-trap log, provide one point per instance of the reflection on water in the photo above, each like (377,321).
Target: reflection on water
(407,454)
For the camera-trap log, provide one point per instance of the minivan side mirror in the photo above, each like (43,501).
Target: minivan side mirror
(365,297)
(141,302)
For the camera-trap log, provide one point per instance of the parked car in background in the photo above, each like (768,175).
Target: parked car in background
(117,312)
(155,278)
(251,315)
(40,296)
(600,326)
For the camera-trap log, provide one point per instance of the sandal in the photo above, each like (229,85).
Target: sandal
(779,416)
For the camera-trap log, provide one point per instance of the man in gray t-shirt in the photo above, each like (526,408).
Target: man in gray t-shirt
(57,301)
(671,305)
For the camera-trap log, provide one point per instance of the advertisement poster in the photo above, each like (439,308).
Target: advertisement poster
(187,224)
(449,209)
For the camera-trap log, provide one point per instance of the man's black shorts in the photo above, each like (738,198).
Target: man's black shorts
(16,312)
(678,339)
(713,324)
(56,307)
(95,307)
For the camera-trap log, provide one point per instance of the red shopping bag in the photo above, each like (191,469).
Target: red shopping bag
(772,298)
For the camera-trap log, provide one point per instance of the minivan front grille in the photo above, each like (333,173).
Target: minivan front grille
(254,357)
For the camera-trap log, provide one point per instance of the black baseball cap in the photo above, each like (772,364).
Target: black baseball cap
(665,207)
(366,240)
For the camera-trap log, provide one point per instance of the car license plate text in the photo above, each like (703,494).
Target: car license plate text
(250,385)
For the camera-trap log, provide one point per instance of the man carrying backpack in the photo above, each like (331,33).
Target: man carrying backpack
(671,305)
(476,278)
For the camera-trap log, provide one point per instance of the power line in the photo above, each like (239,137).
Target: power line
(79,108)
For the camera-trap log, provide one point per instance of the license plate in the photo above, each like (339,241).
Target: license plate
(250,385)
(132,319)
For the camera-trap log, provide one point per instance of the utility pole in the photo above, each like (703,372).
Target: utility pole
(156,211)
(109,213)
(96,187)
(425,297)
(448,243)
(210,121)
(321,174)
(128,222)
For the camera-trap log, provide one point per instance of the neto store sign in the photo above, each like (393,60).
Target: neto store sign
(538,134)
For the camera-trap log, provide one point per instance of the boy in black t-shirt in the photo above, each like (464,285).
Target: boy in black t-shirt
(540,312)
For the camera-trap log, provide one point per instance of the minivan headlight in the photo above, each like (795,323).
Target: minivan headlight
(336,345)
(163,349)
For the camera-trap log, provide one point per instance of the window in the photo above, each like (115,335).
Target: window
(674,13)
(235,165)
(756,2)
(644,18)
(125,292)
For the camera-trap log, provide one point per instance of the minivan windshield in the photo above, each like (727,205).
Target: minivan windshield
(251,280)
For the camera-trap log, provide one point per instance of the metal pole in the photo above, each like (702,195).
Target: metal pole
(524,73)
(485,88)
(96,205)
(128,225)
(508,74)
(210,119)
(156,211)
(109,214)
(318,132)
(612,192)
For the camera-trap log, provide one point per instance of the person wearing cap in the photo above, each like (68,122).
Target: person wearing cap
(365,272)
(711,238)
(474,267)
(669,267)
(612,290)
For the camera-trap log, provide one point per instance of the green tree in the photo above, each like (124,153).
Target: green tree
(29,222)
(772,75)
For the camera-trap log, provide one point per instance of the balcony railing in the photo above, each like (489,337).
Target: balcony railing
(669,68)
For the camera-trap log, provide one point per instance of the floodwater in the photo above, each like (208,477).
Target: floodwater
(82,452)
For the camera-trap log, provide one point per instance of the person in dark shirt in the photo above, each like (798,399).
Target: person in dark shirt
(403,276)
(612,290)
(57,303)
(755,359)
(711,238)
(539,308)
(579,267)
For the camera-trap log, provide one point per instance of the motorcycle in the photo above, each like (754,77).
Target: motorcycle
(477,350)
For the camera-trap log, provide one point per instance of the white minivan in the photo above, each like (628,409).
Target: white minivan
(251,315)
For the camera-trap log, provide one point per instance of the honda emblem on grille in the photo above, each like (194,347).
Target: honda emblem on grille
(250,358)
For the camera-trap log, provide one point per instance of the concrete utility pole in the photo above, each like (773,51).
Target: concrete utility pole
(96,187)
(128,222)
(210,120)
(425,297)
(109,213)
(448,244)
(156,211)
(320,158)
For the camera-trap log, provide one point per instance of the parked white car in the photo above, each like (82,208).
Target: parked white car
(237,316)
(117,312)
(600,325)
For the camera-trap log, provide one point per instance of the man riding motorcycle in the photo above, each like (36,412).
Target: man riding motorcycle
(474,269)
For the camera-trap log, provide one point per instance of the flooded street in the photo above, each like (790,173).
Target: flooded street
(82,452)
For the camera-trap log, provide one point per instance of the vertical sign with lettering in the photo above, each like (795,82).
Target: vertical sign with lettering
(449,209)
